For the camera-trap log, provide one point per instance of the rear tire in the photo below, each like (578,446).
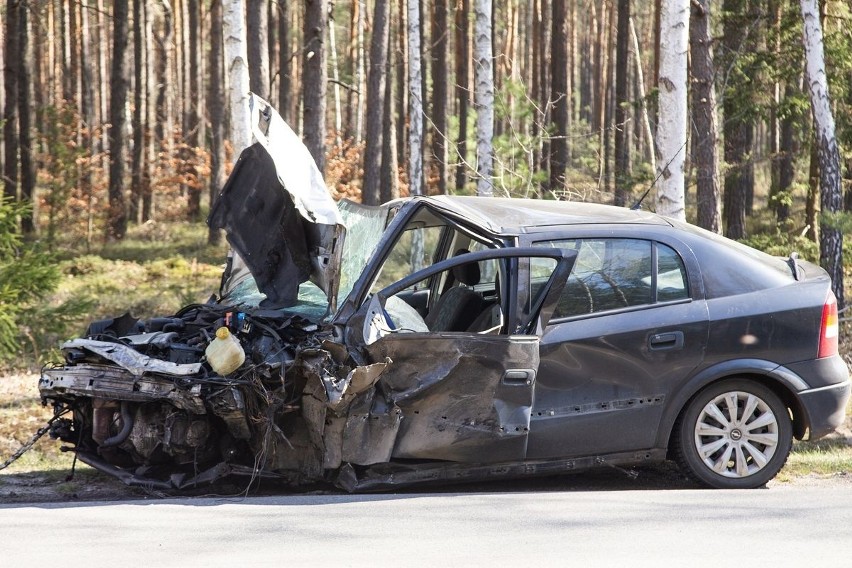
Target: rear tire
(735,434)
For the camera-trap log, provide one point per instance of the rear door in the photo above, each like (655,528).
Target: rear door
(630,325)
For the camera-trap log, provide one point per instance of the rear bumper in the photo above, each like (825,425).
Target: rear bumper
(825,407)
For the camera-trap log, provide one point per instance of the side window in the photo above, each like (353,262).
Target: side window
(671,275)
(413,251)
(611,274)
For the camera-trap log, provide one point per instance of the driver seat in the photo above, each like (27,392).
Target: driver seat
(459,306)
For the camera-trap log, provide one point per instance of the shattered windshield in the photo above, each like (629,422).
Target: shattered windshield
(364,227)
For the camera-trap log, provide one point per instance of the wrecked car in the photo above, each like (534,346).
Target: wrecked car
(454,339)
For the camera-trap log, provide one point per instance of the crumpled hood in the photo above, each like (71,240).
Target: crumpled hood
(278,214)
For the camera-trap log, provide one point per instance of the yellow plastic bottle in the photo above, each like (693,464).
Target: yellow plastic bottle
(224,353)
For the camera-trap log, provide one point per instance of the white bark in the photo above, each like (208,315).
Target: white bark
(236,61)
(831,239)
(816,77)
(483,97)
(672,122)
(415,104)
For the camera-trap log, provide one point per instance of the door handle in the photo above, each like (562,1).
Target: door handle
(518,377)
(666,341)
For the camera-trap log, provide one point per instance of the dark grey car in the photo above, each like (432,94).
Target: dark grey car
(458,338)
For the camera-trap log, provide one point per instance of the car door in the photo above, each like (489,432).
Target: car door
(459,396)
(631,324)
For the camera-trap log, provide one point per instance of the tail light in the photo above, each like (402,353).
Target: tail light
(829,329)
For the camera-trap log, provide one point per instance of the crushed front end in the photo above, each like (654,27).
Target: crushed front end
(147,407)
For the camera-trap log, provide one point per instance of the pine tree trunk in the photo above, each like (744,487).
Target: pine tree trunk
(399,45)
(88,114)
(151,112)
(389,188)
(542,88)
(25,119)
(705,135)
(415,112)
(361,72)
(102,75)
(10,110)
(440,77)
(285,82)
(622,128)
(831,238)
(117,223)
(774,9)
(787,149)
(559,95)
(643,103)
(462,87)
(737,125)
(135,205)
(194,133)
(216,110)
(257,31)
(484,97)
(376,78)
(164,128)
(335,75)
(314,80)
(671,129)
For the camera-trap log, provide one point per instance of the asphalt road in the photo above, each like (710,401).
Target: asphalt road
(781,526)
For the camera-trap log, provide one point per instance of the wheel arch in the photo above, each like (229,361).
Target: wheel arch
(781,381)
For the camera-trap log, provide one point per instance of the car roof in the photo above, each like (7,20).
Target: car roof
(517,215)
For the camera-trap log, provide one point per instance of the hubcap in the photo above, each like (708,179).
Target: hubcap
(736,434)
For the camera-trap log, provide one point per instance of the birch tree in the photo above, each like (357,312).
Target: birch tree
(831,239)
(415,104)
(236,61)
(484,96)
(671,127)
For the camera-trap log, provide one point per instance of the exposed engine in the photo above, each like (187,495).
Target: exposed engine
(148,407)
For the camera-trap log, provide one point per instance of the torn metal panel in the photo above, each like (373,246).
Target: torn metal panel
(341,392)
(371,430)
(339,413)
(464,397)
(132,360)
(104,381)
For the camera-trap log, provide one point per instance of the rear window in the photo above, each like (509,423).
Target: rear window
(730,268)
